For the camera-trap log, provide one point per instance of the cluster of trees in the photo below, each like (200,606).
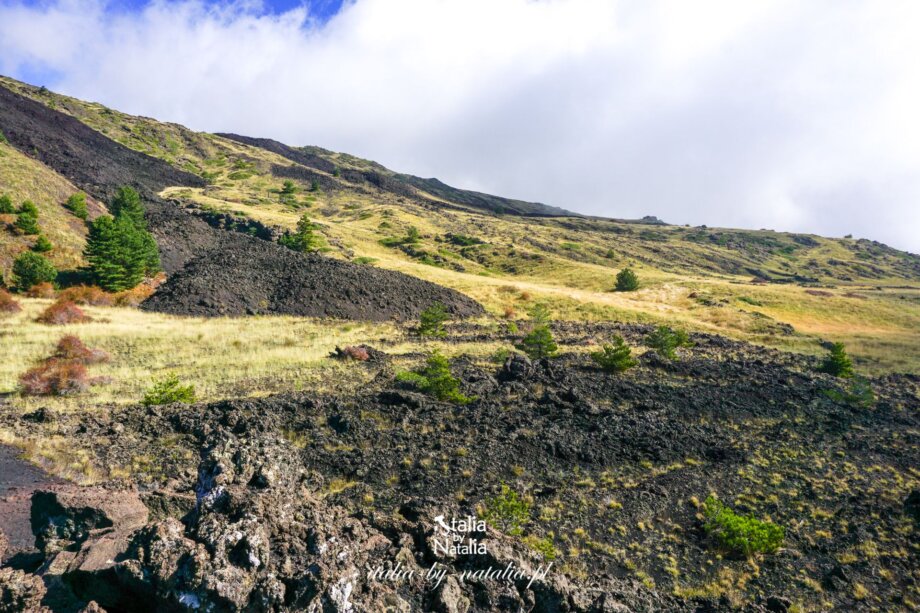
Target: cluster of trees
(120,251)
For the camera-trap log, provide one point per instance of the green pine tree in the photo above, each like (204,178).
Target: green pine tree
(304,240)
(119,254)
(127,203)
(27,223)
(31,268)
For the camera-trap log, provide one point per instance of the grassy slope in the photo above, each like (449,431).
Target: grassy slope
(26,179)
(697,277)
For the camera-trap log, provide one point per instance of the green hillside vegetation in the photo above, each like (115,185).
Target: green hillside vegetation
(792,291)
(24,179)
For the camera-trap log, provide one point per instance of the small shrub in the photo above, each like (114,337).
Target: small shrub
(169,390)
(28,208)
(544,546)
(42,244)
(740,534)
(435,379)
(54,378)
(72,348)
(76,204)
(3,138)
(412,236)
(539,343)
(314,185)
(364,260)
(31,268)
(615,356)
(666,340)
(6,205)
(837,362)
(41,290)
(289,187)
(26,223)
(62,313)
(359,354)
(627,281)
(87,295)
(8,304)
(432,320)
(507,511)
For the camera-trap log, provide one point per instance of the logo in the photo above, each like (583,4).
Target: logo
(455,538)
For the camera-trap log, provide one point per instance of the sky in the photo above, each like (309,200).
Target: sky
(781,114)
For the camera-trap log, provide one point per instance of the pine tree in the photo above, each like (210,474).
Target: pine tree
(120,254)
(627,280)
(27,223)
(6,205)
(127,203)
(837,362)
(304,239)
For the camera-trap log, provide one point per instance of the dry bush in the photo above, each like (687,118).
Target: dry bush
(88,295)
(54,378)
(509,312)
(41,290)
(72,348)
(525,296)
(8,304)
(358,354)
(62,313)
(136,295)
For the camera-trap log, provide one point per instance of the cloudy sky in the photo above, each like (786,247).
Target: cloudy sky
(789,115)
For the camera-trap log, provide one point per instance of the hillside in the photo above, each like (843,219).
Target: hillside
(786,290)
(275,427)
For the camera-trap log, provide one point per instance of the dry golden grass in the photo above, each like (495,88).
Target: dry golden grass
(222,357)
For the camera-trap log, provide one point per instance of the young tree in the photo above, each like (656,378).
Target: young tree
(76,204)
(27,223)
(314,185)
(539,313)
(289,188)
(42,244)
(28,208)
(431,321)
(627,280)
(6,205)
(539,343)
(304,240)
(615,356)
(30,269)
(412,236)
(837,362)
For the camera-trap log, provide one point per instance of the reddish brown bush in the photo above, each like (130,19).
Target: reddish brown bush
(8,304)
(72,348)
(41,290)
(62,313)
(54,378)
(359,354)
(136,295)
(87,294)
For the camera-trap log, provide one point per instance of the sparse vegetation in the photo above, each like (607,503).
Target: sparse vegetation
(507,511)
(615,356)
(436,380)
(169,390)
(745,535)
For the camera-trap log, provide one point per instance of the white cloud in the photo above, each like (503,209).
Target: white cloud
(790,115)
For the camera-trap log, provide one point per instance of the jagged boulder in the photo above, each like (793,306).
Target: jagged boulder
(20,591)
